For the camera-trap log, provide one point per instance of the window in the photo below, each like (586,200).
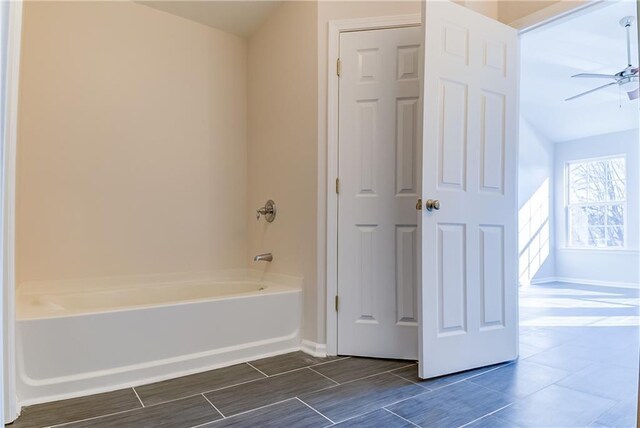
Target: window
(596,202)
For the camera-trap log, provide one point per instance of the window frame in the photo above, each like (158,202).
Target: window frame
(568,205)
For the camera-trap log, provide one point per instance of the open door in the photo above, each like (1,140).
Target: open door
(468,301)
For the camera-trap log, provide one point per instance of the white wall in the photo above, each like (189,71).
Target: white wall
(132,143)
(535,200)
(608,266)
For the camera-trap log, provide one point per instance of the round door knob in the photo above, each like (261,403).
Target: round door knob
(432,204)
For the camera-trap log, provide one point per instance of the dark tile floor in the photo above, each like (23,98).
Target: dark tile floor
(578,367)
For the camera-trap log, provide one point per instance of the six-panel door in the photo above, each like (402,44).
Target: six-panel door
(380,178)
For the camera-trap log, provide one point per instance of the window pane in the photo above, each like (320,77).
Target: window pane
(579,236)
(587,216)
(596,237)
(615,236)
(598,186)
(615,215)
(617,169)
(579,192)
(617,190)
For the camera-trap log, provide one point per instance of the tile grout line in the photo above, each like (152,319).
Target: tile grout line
(199,393)
(212,405)
(63,424)
(379,373)
(326,417)
(326,377)
(308,367)
(329,362)
(442,387)
(413,382)
(254,380)
(137,396)
(404,419)
(484,416)
(361,378)
(257,369)
(246,411)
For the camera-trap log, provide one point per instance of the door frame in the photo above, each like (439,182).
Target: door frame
(11,74)
(335,29)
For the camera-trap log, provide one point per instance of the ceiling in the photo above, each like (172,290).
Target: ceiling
(591,43)
(237,17)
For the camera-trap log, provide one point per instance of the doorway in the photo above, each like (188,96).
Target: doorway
(379,173)
(579,212)
(468,297)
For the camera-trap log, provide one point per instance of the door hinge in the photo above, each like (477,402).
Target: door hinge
(338,66)
(336,303)
(337,185)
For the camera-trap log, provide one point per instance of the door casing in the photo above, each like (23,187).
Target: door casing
(335,28)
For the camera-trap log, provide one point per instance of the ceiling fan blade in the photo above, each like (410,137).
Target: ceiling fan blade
(597,76)
(634,94)
(592,90)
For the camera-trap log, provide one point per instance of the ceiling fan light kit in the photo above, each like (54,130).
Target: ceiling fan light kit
(627,79)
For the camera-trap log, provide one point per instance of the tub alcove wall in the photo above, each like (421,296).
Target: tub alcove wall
(146,142)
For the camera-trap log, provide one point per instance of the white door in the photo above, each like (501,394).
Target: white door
(380,174)
(469,254)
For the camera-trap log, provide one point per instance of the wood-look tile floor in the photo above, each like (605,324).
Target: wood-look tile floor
(578,367)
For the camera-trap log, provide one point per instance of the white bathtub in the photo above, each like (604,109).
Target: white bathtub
(73,342)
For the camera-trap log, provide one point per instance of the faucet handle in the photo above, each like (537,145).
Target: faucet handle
(268,211)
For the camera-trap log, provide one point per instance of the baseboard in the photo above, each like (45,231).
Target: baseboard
(544,280)
(313,348)
(585,282)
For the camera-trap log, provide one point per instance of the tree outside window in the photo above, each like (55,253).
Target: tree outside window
(596,202)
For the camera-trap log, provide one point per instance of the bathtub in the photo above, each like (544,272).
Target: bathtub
(84,337)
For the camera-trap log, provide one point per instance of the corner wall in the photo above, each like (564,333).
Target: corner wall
(133,166)
(282,147)
(535,205)
(605,266)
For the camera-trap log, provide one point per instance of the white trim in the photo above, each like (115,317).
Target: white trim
(583,281)
(14,35)
(314,349)
(598,251)
(335,28)
(567,226)
(556,14)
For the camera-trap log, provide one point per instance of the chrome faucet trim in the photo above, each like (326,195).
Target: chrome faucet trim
(266,257)
(268,211)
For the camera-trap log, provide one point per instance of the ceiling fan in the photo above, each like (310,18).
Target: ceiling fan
(626,79)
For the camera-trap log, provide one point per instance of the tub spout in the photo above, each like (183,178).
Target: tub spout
(266,257)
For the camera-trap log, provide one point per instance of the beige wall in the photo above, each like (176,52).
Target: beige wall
(156,164)
(282,142)
(509,11)
(131,146)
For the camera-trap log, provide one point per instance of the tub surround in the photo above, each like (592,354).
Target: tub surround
(135,330)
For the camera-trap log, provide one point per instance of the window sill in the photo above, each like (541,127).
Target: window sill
(612,251)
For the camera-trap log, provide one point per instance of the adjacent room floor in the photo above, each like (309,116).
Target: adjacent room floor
(578,367)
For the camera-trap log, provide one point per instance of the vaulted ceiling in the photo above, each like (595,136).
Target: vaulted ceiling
(233,16)
(593,42)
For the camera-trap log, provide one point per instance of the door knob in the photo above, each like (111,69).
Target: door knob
(432,204)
